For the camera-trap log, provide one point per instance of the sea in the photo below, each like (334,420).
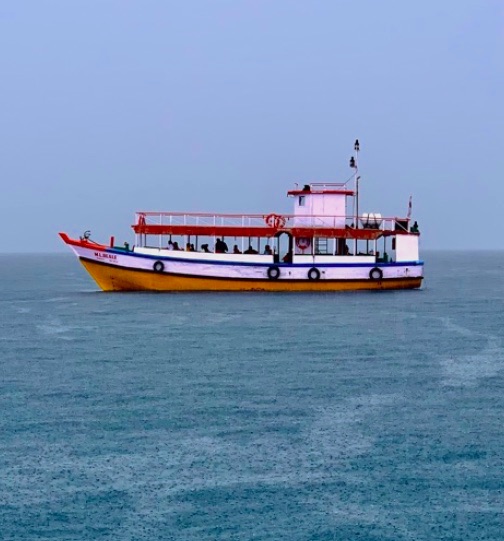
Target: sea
(257,416)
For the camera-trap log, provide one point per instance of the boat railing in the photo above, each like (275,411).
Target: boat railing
(276,221)
(328,185)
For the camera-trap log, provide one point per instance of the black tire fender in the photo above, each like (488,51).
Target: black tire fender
(273,272)
(158,266)
(313,274)
(375,274)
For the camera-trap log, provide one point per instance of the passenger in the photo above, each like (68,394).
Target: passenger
(414,228)
(236,250)
(188,247)
(267,250)
(170,245)
(205,249)
(176,246)
(221,247)
(250,250)
(191,248)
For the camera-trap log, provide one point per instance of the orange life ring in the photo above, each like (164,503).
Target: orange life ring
(275,220)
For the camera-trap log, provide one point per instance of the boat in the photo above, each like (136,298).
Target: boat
(325,244)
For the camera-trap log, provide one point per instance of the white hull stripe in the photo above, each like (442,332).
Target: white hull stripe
(256,271)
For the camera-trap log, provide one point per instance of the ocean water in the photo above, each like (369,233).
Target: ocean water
(366,416)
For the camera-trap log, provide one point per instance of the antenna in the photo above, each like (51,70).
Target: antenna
(410,205)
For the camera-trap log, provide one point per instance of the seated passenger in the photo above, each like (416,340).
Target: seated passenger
(267,250)
(205,249)
(191,248)
(176,246)
(250,250)
(188,247)
(236,250)
(170,245)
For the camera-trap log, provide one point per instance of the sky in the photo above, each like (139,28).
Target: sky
(113,106)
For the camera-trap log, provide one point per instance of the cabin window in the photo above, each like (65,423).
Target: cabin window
(302,200)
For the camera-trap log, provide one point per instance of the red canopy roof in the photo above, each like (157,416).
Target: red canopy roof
(257,231)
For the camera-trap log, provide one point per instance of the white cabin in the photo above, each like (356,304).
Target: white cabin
(321,204)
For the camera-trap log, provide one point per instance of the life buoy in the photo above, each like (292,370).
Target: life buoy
(273,272)
(313,274)
(303,243)
(376,274)
(158,266)
(275,220)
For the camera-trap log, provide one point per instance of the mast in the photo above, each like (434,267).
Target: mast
(357,178)
(354,164)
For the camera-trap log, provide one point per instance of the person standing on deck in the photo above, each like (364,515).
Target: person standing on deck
(221,247)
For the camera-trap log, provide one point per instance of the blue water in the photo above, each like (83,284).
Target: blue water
(367,416)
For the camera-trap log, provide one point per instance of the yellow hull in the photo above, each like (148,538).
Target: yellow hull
(111,278)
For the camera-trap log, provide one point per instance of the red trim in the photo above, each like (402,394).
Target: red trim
(82,243)
(333,233)
(238,231)
(320,192)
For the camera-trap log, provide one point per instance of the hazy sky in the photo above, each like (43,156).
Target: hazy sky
(112,106)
